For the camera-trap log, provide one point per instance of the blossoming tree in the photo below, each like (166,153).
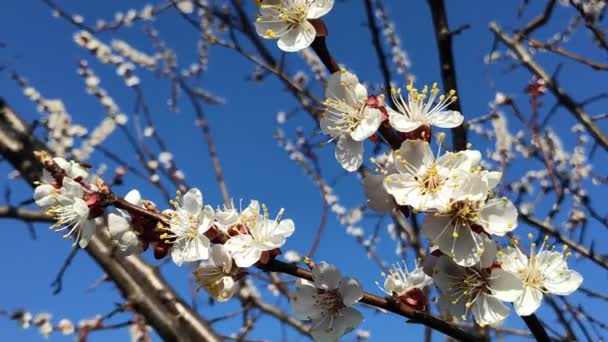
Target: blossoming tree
(479,228)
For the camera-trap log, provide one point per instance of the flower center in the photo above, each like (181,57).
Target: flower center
(431,181)
(330,301)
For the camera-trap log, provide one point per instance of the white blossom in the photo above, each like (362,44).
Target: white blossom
(423,182)
(348,119)
(479,290)
(542,272)
(287,21)
(122,232)
(400,280)
(263,234)
(327,302)
(218,276)
(419,111)
(189,223)
(72,213)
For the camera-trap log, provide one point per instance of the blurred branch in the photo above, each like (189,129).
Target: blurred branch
(443,36)
(564,99)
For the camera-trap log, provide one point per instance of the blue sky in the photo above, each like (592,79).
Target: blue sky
(41,49)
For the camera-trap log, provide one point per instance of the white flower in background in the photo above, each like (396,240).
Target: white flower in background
(400,280)
(72,213)
(479,290)
(263,235)
(43,321)
(348,119)
(419,111)
(287,21)
(218,276)
(292,256)
(423,182)
(123,235)
(186,6)
(542,272)
(459,230)
(24,319)
(378,199)
(66,327)
(189,223)
(327,302)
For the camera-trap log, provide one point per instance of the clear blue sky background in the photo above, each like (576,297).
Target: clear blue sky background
(41,49)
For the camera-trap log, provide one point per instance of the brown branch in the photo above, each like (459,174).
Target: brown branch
(538,21)
(564,99)
(561,51)
(381,56)
(443,36)
(536,328)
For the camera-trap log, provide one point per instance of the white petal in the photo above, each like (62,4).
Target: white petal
(303,301)
(465,249)
(349,153)
(403,188)
(369,125)
(45,195)
(207,216)
(263,25)
(564,284)
(243,250)
(350,290)
(416,154)
(326,276)
(298,38)
(133,197)
(377,198)
(347,322)
(513,260)
(490,250)
(193,201)
(456,309)
(505,286)
(220,257)
(489,310)
(319,8)
(529,301)
(401,122)
(498,216)
(447,119)
(344,86)
(87,230)
(464,160)
(117,224)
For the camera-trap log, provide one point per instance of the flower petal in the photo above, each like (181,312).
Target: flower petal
(447,119)
(319,8)
(413,154)
(243,250)
(498,216)
(505,286)
(349,153)
(326,276)
(220,257)
(87,230)
(117,225)
(489,310)
(298,38)
(193,201)
(401,122)
(133,197)
(529,301)
(369,125)
(350,290)
(564,284)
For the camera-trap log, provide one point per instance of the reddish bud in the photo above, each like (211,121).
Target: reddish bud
(160,251)
(415,299)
